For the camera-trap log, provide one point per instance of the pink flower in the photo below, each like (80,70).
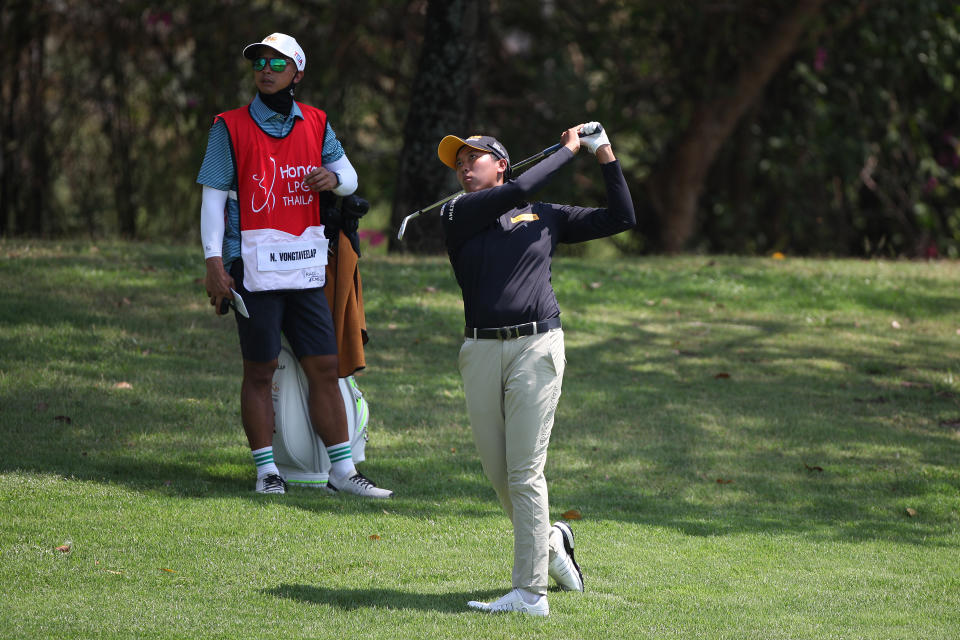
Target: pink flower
(820,59)
(375,237)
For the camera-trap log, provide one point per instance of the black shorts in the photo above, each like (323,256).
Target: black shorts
(301,314)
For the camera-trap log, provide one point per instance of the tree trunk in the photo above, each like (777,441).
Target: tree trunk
(36,219)
(11,30)
(441,103)
(675,188)
(119,130)
(24,159)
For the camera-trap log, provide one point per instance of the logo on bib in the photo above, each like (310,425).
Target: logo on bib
(297,194)
(268,198)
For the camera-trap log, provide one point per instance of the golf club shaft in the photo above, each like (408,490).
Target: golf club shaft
(519,165)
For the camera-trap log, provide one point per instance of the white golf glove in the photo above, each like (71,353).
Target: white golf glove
(594,138)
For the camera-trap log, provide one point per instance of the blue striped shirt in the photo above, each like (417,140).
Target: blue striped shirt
(217,170)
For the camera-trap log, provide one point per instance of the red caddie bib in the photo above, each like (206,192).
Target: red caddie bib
(281,233)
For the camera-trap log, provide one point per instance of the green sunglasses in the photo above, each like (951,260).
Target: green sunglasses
(277,65)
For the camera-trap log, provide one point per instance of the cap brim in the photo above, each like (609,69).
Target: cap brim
(248,51)
(448,148)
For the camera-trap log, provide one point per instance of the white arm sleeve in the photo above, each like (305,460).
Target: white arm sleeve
(211,221)
(347,174)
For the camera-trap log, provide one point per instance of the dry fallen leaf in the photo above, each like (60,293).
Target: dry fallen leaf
(167,570)
(571,514)
(65,548)
(374,537)
(723,481)
(911,512)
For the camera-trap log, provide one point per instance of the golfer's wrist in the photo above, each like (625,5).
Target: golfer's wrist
(605,154)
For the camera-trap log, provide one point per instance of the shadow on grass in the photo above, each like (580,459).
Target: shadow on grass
(737,434)
(352,599)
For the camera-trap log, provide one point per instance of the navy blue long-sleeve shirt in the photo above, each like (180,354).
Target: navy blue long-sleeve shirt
(501,246)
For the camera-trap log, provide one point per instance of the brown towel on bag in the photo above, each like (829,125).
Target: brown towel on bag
(345,297)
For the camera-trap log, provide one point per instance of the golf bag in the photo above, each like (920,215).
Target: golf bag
(298,451)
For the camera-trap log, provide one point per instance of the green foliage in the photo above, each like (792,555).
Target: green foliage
(854,150)
(851,151)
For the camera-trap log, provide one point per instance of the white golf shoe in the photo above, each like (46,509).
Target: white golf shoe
(563,567)
(513,601)
(358,485)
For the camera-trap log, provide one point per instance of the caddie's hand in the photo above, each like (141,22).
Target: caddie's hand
(571,139)
(218,283)
(594,136)
(321,179)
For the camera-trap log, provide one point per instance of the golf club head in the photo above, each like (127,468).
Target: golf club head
(403,226)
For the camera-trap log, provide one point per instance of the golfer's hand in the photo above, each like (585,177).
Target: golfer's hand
(594,136)
(217,282)
(571,139)
(321,179)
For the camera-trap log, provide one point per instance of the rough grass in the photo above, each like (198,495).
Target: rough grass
(758,449)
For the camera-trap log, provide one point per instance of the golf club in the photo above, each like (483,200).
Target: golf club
(516,167)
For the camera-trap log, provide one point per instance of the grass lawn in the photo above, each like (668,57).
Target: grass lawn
(758,448)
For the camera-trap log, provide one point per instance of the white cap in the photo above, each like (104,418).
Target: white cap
(279,42)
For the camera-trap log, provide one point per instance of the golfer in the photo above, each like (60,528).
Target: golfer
(501,246)
(263,238)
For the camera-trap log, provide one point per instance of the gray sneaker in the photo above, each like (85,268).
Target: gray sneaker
(358,485)
(271,483)
(563,567)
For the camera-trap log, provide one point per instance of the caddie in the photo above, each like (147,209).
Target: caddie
(263,239)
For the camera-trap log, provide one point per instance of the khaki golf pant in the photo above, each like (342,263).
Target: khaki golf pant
(512,388)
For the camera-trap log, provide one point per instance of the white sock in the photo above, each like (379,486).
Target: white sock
(529,596)
(341,461)
(263,458)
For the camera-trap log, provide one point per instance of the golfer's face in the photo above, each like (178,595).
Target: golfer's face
(269,81)
(478,170)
